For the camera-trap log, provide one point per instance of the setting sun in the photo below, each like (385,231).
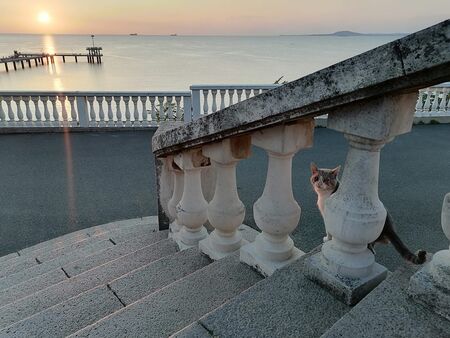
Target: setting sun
(43,17)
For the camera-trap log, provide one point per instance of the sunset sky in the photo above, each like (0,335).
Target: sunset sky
(214,17)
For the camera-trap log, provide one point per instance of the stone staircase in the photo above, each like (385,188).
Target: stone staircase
(126,279)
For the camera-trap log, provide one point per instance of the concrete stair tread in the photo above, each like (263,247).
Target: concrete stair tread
(84,309)
(175,306)
(388,311)
(57,293)
(138,241)
(26,267)
(148,279)
(21,285)
(286,304)
(67,317)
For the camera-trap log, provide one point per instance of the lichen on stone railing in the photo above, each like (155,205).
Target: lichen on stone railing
(370,98)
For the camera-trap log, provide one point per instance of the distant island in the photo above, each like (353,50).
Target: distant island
(348,33)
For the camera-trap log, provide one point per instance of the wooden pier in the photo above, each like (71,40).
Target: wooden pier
(93,55)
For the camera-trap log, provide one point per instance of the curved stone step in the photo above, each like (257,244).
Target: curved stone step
(55,294)
(90,306)
(44,275)
(286,304)
(30,267)
(178,304)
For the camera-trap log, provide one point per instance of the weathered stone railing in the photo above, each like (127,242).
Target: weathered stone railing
(91,109)
(370,98)
(434,101)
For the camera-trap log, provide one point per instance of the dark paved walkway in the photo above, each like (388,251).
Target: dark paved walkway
(53,184)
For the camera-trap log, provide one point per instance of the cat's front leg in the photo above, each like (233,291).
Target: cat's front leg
(327,238)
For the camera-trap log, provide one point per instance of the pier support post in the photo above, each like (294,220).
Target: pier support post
(64,59)
(76,59)
(29,63)
(21,62)
(6,66)
(35,62)
(14,64)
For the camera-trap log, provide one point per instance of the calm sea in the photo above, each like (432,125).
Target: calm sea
(175,62)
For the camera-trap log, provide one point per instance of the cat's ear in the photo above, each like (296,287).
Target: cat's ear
(314,169)
(336,170)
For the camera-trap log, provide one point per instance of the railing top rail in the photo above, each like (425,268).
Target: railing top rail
(96,93)
(418,60)
(233,86)
(442,85)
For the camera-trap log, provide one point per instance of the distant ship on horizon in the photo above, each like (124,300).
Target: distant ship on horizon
(133,34)
(175,34)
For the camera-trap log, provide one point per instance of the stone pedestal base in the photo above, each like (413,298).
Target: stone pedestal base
(192,238)
(347,290)
(266,267)
(174,228)
(212,252)
(430,286)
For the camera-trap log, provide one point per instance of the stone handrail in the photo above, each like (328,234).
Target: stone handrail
(370,98)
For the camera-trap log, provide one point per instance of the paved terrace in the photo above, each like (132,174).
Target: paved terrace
(54,184)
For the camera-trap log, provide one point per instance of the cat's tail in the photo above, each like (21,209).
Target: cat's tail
(418,258)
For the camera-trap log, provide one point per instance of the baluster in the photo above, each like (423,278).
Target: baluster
(144,120)
(435,105)
(82,111)
(178,114)
(239,95)
(2,112)
(108,100)
(11,116)
(162,115)
(153,110)
(443,104)
(230,96)
(28,113)
(72,111)
(256,92)
(37,111)
(225,211)
(191,211)
(62,99)
(419,104)
(135,100)
(354,215)
(222,98)
(205,101)
(45,100)
(276,212)
(427,104)
(178,183)
(248,92)
(118,110)
(101,112)
(17,101)
(126,100)
(54,109)
(431,284)
(214,104)
(169,114)
(92,115)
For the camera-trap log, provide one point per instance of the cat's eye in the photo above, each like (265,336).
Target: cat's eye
(315,179)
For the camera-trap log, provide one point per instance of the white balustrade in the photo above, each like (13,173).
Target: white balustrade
(178,184)
(92,109)
(434,101)
(129,109)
